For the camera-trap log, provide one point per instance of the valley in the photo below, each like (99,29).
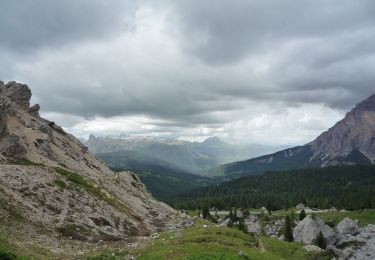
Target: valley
(56,195)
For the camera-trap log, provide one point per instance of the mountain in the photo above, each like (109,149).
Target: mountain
(52,190)
(350,141)
(194,157)
(343,187)
(161,178)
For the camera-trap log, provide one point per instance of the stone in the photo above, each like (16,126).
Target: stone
(226,223)
(18,93)
(300,206)
(347,226)
(313,248)
(12,146)
(34,110)
(308,229)
(253,227)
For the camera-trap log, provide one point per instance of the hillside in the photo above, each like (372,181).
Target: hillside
(343,187)
(350,141)
(54,192)
(162,179)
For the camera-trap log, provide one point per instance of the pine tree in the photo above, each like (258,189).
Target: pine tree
(288,235)
(302,215)
(205,212)
(242,226)
(320,241)
(235,218)
(231,216)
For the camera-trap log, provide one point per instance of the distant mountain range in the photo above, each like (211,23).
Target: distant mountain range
(161,178)
(351,141)
(192,157)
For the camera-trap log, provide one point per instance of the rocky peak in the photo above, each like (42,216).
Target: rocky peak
(365,106)
(214,140)
(19,94)
(356,132)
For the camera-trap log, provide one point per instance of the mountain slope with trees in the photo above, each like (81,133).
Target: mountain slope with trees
(343,187)
(162,179)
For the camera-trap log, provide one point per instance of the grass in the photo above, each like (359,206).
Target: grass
(220,243)
(14,249)
(24,162)
(109,255)
(74,231)
(80,182)
(364,217)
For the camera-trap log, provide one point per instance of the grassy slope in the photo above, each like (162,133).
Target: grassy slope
(197,242)
(220,243)
(364,217)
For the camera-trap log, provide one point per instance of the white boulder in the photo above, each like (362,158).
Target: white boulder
(347,226)
(308,230)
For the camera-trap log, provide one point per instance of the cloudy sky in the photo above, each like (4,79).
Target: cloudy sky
(255,71)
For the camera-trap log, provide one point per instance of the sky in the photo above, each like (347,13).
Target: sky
(248,71)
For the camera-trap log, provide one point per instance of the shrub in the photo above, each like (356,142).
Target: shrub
(320,241)
(302,215)
(288,235)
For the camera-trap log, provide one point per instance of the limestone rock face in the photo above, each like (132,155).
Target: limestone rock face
(58,187)
(308,229)
(347,226)
(19,94)
(34,110)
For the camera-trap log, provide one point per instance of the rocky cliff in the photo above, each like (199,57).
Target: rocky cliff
(51,185)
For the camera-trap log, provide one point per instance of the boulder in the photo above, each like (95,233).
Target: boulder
(13,146)
(308,229)
(226,223)
(253,227)
(313,248)
(347,226)
(300,206)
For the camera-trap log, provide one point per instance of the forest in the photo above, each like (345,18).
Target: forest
(342,187)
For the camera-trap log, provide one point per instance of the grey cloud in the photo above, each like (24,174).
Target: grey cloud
(29,24)
(188,63)
(227,31)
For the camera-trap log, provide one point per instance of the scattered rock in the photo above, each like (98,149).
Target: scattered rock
(312,248)
(347,226)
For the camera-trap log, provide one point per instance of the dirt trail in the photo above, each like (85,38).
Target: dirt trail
(261,246)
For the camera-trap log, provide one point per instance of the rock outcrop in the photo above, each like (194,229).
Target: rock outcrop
(347,226)
(58,188)
(309,228)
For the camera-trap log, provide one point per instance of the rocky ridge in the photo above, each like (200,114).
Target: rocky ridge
(50,181)
(350,141)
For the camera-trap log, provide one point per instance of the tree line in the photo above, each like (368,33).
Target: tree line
(343,187)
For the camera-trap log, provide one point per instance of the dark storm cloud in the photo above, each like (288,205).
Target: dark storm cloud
(29,24)
(227,31)
(190,63)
